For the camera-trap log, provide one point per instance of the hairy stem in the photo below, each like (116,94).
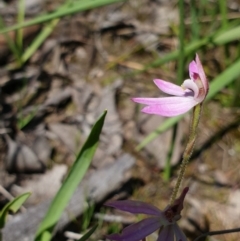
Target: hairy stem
(188,150)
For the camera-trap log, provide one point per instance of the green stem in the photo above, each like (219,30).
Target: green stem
(20,20)
(46,31)
(188,150)
(223,10)
(181,43)
(167,168)
(195,27)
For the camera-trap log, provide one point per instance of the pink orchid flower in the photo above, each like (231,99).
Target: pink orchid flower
(192,92)
(164,220)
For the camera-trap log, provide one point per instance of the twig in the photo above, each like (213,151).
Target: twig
(5,193)
(234,230)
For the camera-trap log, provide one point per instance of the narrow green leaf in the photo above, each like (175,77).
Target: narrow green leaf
(190,48)
(224,79)
(227,36)
(20,20)
(13,206)
(74,8)
(217,38)
(224,10)
(70,184)
(181,36)
(168,123)
(221,81)
(45,32)
(195,26)
(11,43)
(89,233)
(23,121)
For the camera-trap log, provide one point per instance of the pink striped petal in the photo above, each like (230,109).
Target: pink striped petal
(202,75)
(148,101)
(135,207)
(180,236)
(167,234)
(169,88)
(170,106)
(137,231)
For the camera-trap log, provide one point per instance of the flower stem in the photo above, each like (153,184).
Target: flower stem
(188,150)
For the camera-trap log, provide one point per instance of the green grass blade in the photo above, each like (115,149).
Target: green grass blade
(23,121)
(89,233)
(223,10)
(168,167)
(73,8)
(227,36)
(73,179)
(41,37)
(37,42)
(11,44)
(20,20)
(195,27)
(191,48)
(221,81)
(168,123)
(224,79)
(181,35)
(87,215)
(12,206)
(219,38)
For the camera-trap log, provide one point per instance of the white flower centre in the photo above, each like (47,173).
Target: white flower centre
(190,84)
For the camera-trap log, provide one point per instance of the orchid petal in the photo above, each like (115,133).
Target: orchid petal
(170,106)
(137,231)
(135,207)
(167,234)
(180,236)
(169,88)
(202,74)
(189,84)
(192,92)
(148,101)
(193,70)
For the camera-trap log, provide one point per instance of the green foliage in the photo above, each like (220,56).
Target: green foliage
(23,121)
(68,8)
(89,233)
(87,215)
(180,72)
(114,228)
(12,206)
(20,20)
(70,184)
